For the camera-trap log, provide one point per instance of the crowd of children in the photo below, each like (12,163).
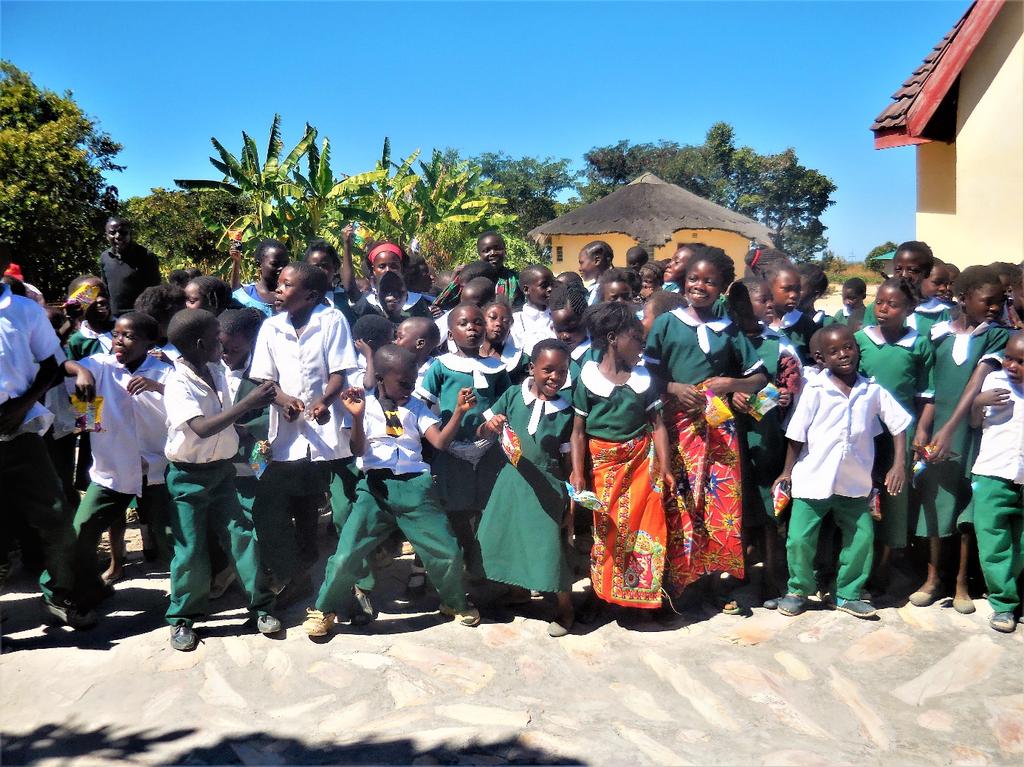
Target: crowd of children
(676,421)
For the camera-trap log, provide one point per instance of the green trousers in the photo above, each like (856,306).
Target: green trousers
(101,506)
(384,502)
(999,529)
(856,527)
(203,498)
(344,480)
(32,490)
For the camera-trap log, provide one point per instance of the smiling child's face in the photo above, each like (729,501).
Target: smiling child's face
(549,370)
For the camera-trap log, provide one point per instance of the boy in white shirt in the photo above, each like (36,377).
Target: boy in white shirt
(128,453)
(395,490)
(306,351)
(532,323)
(201,447)
(997,481)
(30,354)
(828,464)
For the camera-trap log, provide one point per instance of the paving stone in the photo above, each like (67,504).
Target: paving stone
(652,749)
(883,643)
(970,662)
(485,716)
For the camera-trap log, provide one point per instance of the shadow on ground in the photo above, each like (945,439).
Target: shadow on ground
(102,744)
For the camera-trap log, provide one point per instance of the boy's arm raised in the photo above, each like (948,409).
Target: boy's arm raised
(207,425)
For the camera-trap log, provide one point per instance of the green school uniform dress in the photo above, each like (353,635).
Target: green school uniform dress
(684,350)
(905,370)
(798,328)
(944,488)
(86,342)
(516,361)
(925,315)
(621,413)
(520,535)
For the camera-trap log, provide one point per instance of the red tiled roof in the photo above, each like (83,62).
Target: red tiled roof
(903,121)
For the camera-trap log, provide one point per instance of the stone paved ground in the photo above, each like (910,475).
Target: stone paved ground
(920,686)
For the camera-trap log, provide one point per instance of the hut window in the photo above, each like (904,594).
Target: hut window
(559,257)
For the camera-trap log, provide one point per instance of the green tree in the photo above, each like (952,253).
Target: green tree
(530,184)
(183,228)
(877,253)
(53,196)
(609,167)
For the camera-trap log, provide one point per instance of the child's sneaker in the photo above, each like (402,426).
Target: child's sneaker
(268,624)
(183,638)
(318,624)
(1003,622)
(468,616)
(70,614)
(858,608)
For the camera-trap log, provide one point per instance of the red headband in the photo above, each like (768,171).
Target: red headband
(384,247)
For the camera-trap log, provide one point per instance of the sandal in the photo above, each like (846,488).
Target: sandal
(732,607)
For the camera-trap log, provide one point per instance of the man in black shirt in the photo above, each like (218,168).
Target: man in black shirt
(127,268)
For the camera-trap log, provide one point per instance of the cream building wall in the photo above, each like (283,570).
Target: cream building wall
(735,245)
(970,195)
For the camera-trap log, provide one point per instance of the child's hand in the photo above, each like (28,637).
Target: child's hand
(85,386)
(347,233)
(353,400)
(235,252)
(896,478)
(292,408)
(578,482)
(992,397)
(159,354)
(785,398)
(492,426)
(781,478)
(670,482)
(718,384)
(921,438)
(467,399)
(435,311)
(363,348)
(320,412)
(689,397)
(941,444)
(139,384)
(261,396)
(740,402)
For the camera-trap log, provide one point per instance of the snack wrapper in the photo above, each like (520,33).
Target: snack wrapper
(88,415)
(875,504)
(781,496)
(586,499)
(83,295)
(918,470)
(763,402)
(510,444)
(259,458)
(235,235)
(716,412)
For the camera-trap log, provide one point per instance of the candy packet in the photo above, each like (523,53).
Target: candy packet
(875,504)
(83,295)
(764,401)
(716,412)
(88,415)
(510,444)
(586,499)
(781,496)
(259,458)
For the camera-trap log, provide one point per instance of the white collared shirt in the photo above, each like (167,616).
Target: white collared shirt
(187,396)
(26,339)
(235,378)
(529,326)
(401,454)
(133,426)
(838,434)
(301,366)
(1002,437)
(411,299)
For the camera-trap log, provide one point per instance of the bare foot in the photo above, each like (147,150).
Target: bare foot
(112,575)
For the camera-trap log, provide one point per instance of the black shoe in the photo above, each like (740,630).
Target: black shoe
(70,614)
(858,608)
(365,615)
(183,638)
(295,590)
(792,605)
(268,624)
(771,604)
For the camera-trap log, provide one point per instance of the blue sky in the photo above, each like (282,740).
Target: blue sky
(539,79)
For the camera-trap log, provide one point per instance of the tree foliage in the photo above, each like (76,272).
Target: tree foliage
(53,197)
(874,256)
(530,184)
(774,189)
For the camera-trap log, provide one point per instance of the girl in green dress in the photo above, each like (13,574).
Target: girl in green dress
(785,317)
(498,343)
(567,304)
(521,535)
(966,349)
(913,264)
(900,360)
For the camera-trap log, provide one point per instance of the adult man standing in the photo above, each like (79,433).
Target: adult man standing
(127,267)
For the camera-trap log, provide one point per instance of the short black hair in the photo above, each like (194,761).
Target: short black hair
(392,357)
(269,244)
(118,220)
(610,317)
(503,302)
(475,269)
(918,248)
(761,259)
(392,283)
(216,292)
(836,328)
(489,233)
(426,327)
(1012,272)
(549,345)
(241,322)
(142,323)
(570,278)
(182,277)
(662,301)
(599,250)
(653,271)
(462,308)
(636,257)
(310,277)
(902,287)
(817,280)
(570,296)
(532,273)
(974,277)
(480,283)
(188,327)
(17,286)
(368,247)
(717,258)
(322,246)
(617,274)
(161,302)
(375,331)
(856,284)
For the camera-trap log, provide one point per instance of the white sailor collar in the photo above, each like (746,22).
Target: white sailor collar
(702,328)
(581,349)
(846,310)
(411,300)
(510,354)
(875,334)
(478,367)
(639,380)
(818,317)
(789,319)
(945,328)
(932,306)
(89,332)
(531,313)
